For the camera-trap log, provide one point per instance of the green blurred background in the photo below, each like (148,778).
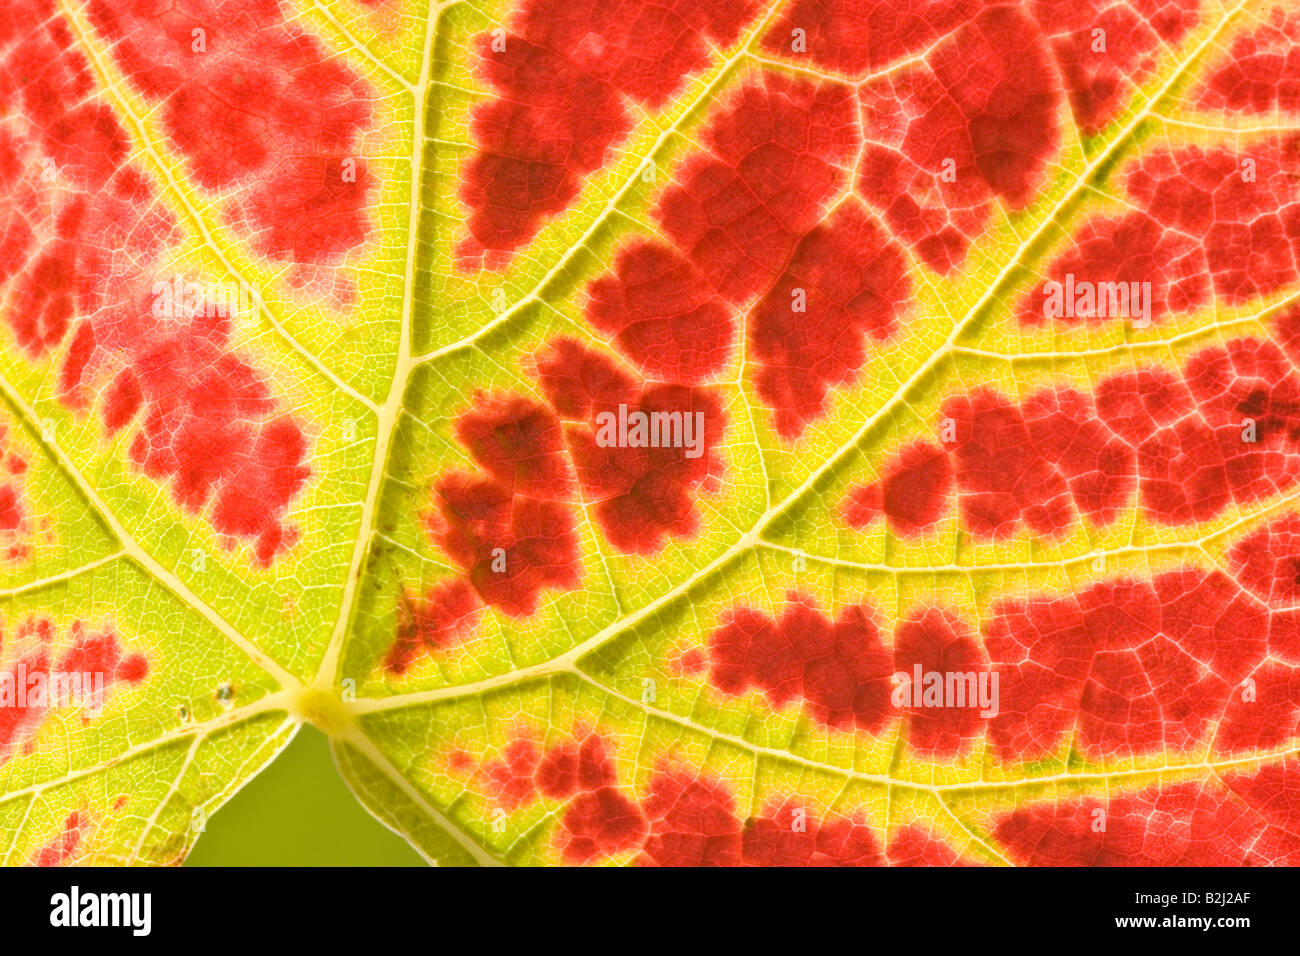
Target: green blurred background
(299,812)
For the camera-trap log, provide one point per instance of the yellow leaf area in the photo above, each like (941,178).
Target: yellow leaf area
(660,433)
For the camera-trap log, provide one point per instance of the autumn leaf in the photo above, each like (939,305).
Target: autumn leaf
(655,431)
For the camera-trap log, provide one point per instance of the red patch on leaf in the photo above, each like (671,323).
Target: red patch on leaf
(662,315)
(260,108)
(1127,667)
(974,123)
(446,613)
(1263,711)
(519,443)
(511,547)
(63,848)
(212,427)
(21,717)
(912,496)
(1273,792)
(598,819)
(36,680)
(746,217)
(850,37)
(840,668)
(641,493)
(1116,256)
(937,642)
(847,678)
(1224,430)
(510,779)
(684,819)
(917,846)
(1207,221)
(692,822)
(124,400)
(1099,74)
(512,533)
(1241,444)
(1184,824)
(1042,464)
(11,509)
(1267,561)
(561,75)
(102,653)
(1102,71)
(846,280)
(775,154)
(1131,667)
(1260,72)
(600,823)
(790,837)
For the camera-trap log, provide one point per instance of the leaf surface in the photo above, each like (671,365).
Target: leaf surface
(666,433)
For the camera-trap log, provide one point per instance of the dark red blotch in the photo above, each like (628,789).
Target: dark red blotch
(563,85)
(1247,820)
(511,530)
(684,818)
(639,496)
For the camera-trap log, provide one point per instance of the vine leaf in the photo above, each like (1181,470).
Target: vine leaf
(655,431)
